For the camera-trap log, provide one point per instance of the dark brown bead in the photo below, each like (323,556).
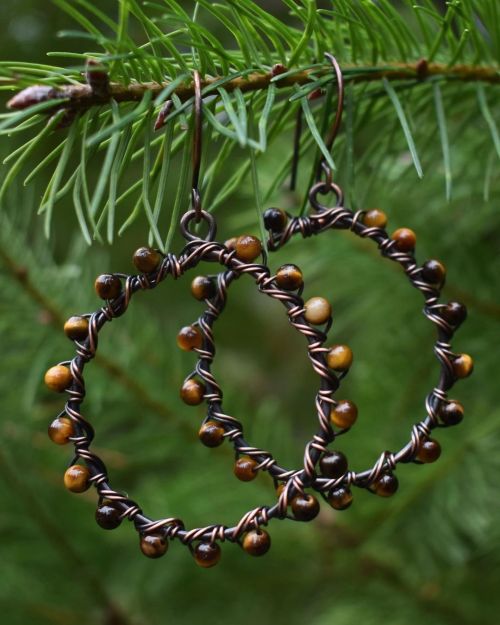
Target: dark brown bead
(318,310)
(289,277)
(58,378)
(108,286)
(429,451)
(248,248)
(405,239)
(305,507)
(333,464)
(375,219)
(211,434)
(76,479)
(463,366)
(386,485)
(108,516)
(454,313)
(244,468)
(153,545)
(344,414)
(207,554)
(192,392)
(203,288)
(256,542)
(189,338)
(76,328)
(146,259)
(275,219)
(340,498)
(60,430)
(451,412)
(339,357)
(433,272)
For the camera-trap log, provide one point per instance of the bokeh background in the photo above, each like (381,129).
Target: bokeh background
(432,552)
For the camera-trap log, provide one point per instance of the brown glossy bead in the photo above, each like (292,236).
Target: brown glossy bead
(386,485)
(189,338)
(76,328)
(211,434)
(340,498)
(318,310)
(339,357)
(153,545)
(433,272)
(108,286)
(344,414)
(275,219)
(231,243)
(256,542)
(405,239)
(305,507)
(203,288)
(452,412)
(333,464)
(244,468)
(289,277)
(454,313)
(60,430)
(108,516)
(463,366)
(248,248)
(146,259)
(429,451)
(58,378)
(207,554)
(375,218)
(76,478)
(192,392)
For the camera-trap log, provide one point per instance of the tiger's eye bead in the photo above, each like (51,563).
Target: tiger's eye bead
(289,277)
(339,357)
(203,288)
(58,378)
(344,414)
(76,328)
(275,219)
(146,259)
(433,272)
(386,485)
(405,239)
(108,516)
(454,313)
(60,430)
(211,434)
(207,554)
(318,310)
(189,338)
(452,412)
(248,248)
(256,542)
(305,507)
(192,392)
(375,218)
(463,366)
(108,286)
(429,451)
(340,498)
(153,545)
(244,468)
(333,464)
(76,479)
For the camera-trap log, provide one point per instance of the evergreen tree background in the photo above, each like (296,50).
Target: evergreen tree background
(431,552)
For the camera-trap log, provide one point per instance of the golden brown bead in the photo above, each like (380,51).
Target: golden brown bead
(275,219)
(58,378)
(60,430)
(433,272)
(76,328)
(386,485)
(405,239)
(244,468)
(289,277)
(429,451)
(211,434)
(146,259)
(463,366)
(108,516)
(305,507)
(203,287)
(108,286)
(375,218)
(339,357)
(76,478)
(248,248)
(333,464)
(344,414)
(340,498)
(318,310)
(256,542)
(454,313)
(452,412)
(189,338)
(192,392)
(207,554)
(153,545)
